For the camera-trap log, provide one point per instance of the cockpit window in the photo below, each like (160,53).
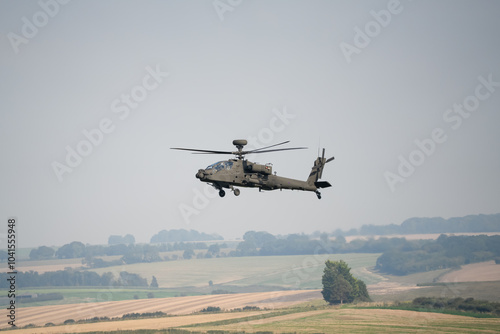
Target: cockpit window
(220,165)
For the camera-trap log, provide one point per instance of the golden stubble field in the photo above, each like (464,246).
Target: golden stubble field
(475,272)
(57,314)
(330,320)
(353,320)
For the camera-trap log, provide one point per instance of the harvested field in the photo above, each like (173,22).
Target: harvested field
(57,314)
(331,320)
(476,272)
(155,324)
(389,288)
(46,266)
(363,320)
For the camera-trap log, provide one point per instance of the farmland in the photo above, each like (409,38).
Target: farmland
(57,314)
(351,320)
(298,271)
(476,272)
(269,282)
(306,318)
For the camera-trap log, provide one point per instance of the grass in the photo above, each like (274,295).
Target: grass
(298,272)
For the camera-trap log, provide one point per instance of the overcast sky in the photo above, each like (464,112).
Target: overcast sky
(405,95)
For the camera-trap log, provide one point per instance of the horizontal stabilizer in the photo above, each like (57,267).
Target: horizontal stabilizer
(322,184)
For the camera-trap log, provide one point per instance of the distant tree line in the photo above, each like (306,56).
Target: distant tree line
(130,253)
(445,252)
(437,225)
(183,236)
(265,244)
(118,239)
(72,278)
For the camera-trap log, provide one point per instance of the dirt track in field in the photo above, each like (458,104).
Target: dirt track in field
(476,272)
(57,314)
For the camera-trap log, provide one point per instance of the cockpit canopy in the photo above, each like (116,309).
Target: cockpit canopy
(220,165)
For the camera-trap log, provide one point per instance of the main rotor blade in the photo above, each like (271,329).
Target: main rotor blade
(263,148)
(277,150)
(202,151)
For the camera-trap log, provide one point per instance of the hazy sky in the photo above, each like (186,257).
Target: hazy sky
(405,95)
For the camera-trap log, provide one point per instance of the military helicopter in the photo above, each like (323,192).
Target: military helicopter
(243,173)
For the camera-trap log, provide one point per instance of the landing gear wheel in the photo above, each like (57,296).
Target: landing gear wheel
(318,194)
(222,193)
(236,192)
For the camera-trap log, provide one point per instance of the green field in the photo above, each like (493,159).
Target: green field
(291,272)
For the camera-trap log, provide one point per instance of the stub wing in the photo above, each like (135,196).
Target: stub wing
(322,184)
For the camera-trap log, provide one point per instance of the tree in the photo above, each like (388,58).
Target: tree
(70,251)
(129,239)
(115,240)
(342,290)
(154,283)
(188,254)
(213,249)
(42,253)
(118,240)
(340,286)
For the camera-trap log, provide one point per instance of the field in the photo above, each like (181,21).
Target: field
(298,272)
(353,320)
(271,283)
(476,272)
(305,319)
(57,314)
(45,265)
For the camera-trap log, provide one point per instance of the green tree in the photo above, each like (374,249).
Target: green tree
(342,290)
(42,253)
(340,286)
(154,283)
(213,249)
(188,254)
(70,251)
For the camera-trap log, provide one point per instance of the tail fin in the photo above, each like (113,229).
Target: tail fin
(317,172)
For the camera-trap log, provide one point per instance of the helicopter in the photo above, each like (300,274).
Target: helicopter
(243,173)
